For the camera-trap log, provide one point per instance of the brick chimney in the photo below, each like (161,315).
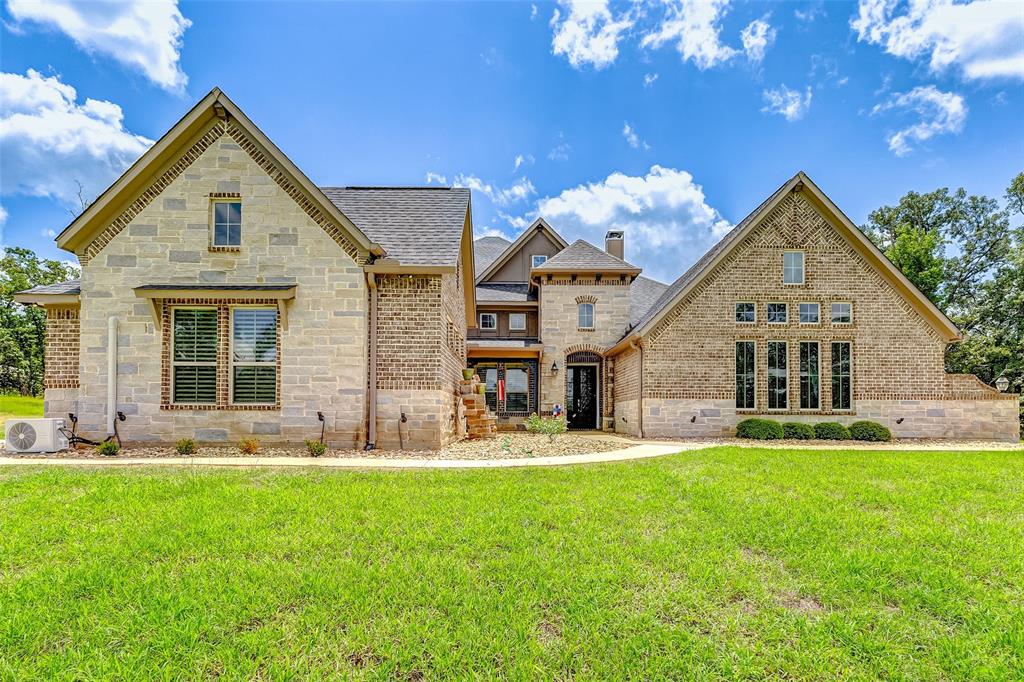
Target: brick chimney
(615,243)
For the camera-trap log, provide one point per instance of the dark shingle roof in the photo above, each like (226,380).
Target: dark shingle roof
(415,225)
(697,268)
(486,250)
(72,286)
(583,256)
(643,293)
(171,286)
(505,293)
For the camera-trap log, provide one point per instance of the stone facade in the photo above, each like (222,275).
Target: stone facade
(322,353)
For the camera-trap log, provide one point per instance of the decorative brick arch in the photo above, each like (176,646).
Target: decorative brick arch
(584,348)
(586,298)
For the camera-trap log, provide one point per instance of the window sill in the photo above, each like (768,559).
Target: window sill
(178,407)
(225,249)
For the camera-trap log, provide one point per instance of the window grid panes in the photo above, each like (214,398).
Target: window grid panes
(778,313)
(809,375)
(745,312)
(537,261)
(841,376)
(488,321)
(586,316)
(194,356)
(517,322)
(793,267)
(778,375)
(254,355)
(489,376)
(517,388)
(841,313)
(808,313)
(227,223)
(745,373)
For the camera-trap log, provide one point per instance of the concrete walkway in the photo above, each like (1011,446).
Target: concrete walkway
(641,451)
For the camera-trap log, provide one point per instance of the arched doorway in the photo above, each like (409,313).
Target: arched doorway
(583,378)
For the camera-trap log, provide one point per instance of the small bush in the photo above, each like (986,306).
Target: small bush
(108,448)
(249,446)
(186,447)
(760,429)
(798,431)
(831,431)
(872,431)
(315,448)
(549,426)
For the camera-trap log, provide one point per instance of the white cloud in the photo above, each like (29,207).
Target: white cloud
(3,219)
(520,160)
(144,34)
(811,12)
(789,104)
(560,152)
(490,232)
(50,142)
(664,214)
(518,191)
(533,11)
(588,33)
(693,25)
(983,38)
(649,79)
(436,178)
(632,139)
(939,113)
(756,38)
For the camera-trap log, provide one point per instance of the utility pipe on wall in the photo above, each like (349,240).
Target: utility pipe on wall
(640,398)
(371,398)
(111,373)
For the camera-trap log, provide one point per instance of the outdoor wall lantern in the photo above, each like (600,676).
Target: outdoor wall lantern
(554,367)
(1002,383)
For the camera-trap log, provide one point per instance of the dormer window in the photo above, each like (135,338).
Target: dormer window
(537,261)
(793,267)
(227,223)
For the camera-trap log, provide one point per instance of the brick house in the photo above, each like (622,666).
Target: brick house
(224,294)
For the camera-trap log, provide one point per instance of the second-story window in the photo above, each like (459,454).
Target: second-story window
(585,316)
(488,320)
(778,313)
(793,267)
(517,322)
(227,223)
(537,261)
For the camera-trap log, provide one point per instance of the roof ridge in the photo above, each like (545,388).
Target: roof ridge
(389,187)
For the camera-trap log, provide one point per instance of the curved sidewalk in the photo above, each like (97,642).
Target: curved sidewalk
(642,451)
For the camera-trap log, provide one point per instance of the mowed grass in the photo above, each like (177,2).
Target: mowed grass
(18,406)
(724,563)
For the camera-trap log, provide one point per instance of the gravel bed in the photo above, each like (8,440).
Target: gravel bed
(504,446)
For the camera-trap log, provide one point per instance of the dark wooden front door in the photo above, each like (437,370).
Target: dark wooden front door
(581,396)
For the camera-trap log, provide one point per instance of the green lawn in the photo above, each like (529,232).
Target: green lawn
(18,406)
(732,563)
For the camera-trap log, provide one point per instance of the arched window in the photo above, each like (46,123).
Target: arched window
(585,315)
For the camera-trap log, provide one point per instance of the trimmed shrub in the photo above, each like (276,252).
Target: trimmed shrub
(798,431)
(315,447)
(186,447)
(872,431)
(760,429)
(249,446)
(549,426)
(831,431)
(108,448)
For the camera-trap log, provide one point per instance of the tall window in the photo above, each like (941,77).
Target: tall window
(842,313)
(841,376)
(808,313)
(227,223)
(517,388)
(778,374)
(489,377)
(809,373)
(254,355)
(778,313)
(537,261)
(585,315)
(745,373)
(793,267)
(745,312)
(517,322)
(194,356)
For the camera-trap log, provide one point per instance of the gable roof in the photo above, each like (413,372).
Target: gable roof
(416,225)
(537,225)
(504,292)
(140,175)
(644,292)
(846,228)
(487,249)
(581,256)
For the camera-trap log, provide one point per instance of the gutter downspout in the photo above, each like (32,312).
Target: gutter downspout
(111,373)
(371,393)
(640,398)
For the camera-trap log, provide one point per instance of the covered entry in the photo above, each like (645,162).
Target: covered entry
(583,390)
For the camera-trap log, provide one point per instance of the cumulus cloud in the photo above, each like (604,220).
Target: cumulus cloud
(479,233)
(146,35)
(587,33)
(520,160)
(518,191)
(938,113)
(693,25)
(632,139)
(664,213)
(649,79)
(984,39)
(50,142)
(790,104)
(756,38)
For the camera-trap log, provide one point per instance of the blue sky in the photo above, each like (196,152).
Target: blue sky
(669,120)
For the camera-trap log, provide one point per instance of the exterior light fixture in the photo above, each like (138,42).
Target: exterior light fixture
(1002,383)
(554,367)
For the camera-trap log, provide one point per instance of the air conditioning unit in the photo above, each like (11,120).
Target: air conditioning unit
(35,435)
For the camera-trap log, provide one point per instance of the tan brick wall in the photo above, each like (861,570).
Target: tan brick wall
(626,391)
(61,351)
(323,350)
(560,334)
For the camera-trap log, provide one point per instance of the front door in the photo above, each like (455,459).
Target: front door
(581,396)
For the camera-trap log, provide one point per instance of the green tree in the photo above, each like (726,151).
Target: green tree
(22,328)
